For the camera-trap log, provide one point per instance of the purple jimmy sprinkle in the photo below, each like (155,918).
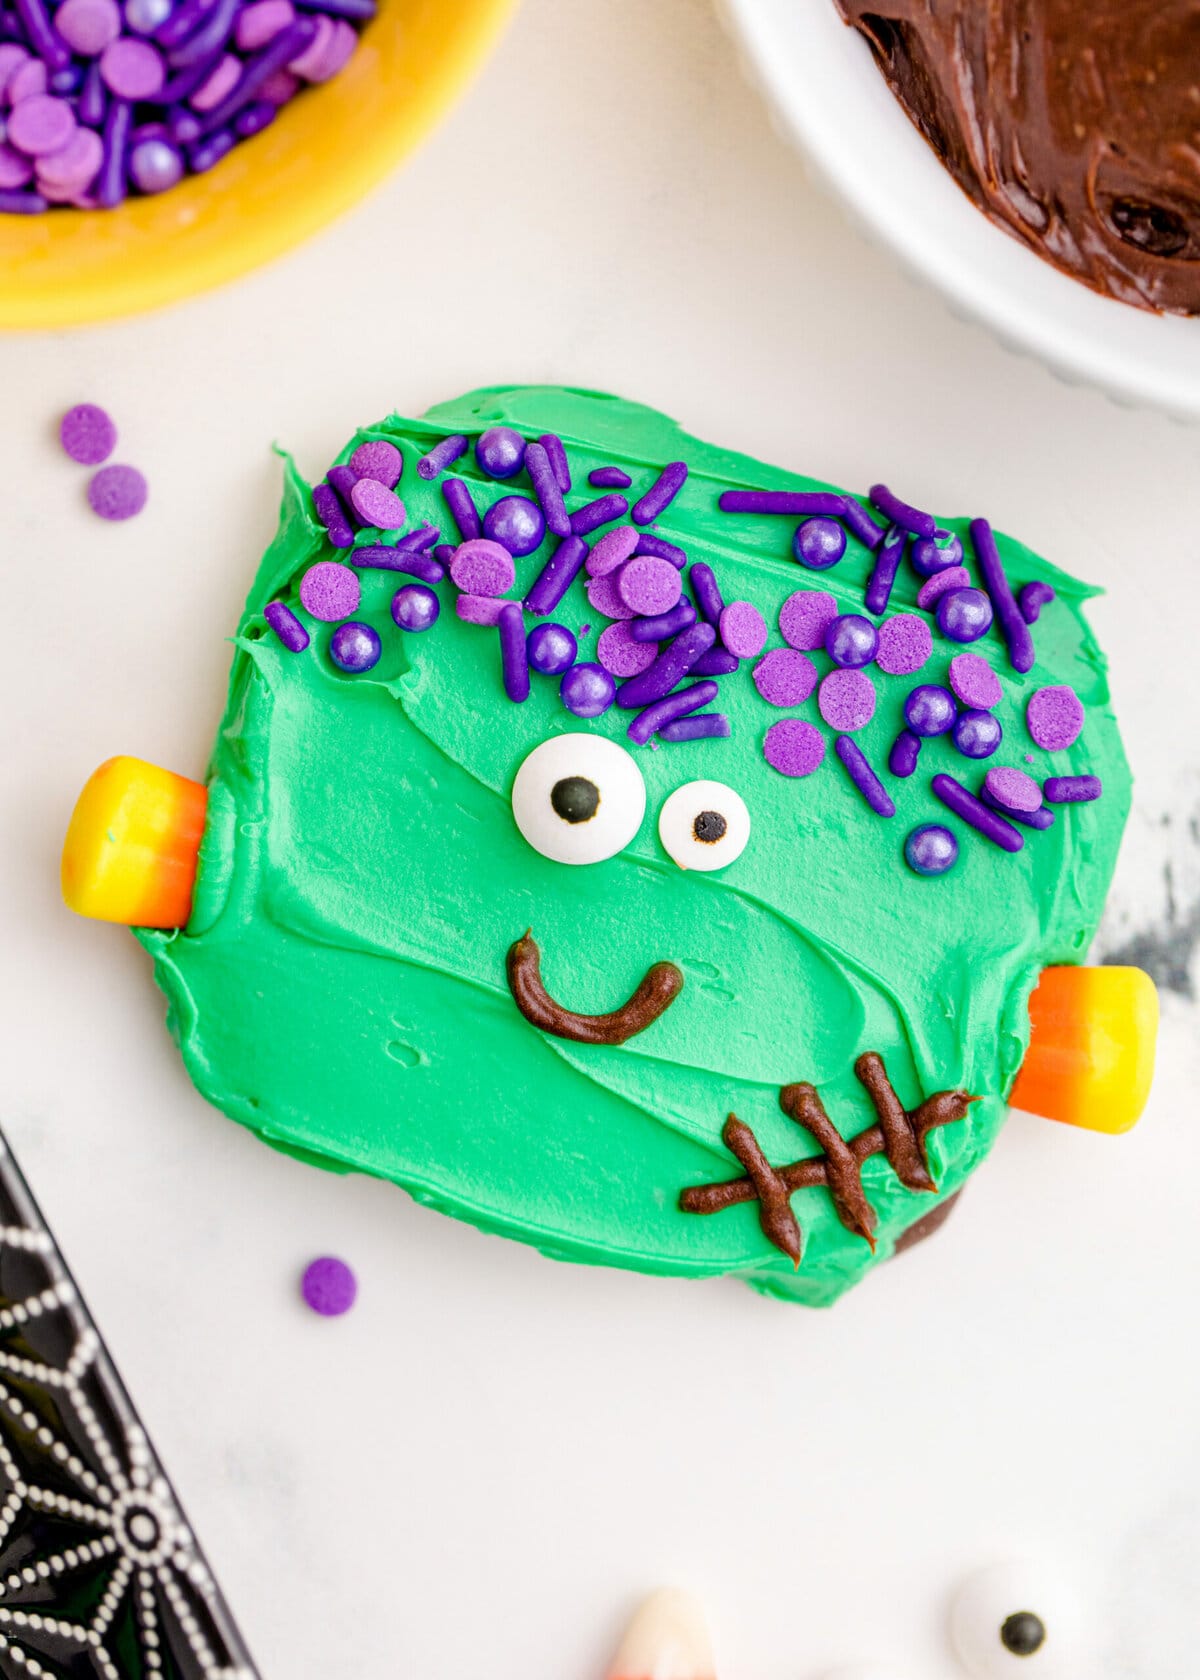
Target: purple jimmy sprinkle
(784,677)
(782,501)
(804,618)
(666,710)
(906,749)
(991,572)
(696,726)
(444,552)
(905,645)
(619,653)
(1054,717)
(553,445)
(863,777)
(587,690)
(1040,819)
(974,681)
(380,460)
(709,601)
(442,455)
(717,662)
(974,812)
(793,747)
(513,662)
(556,576)
(110,183)
(743,629)
(462,509)
(41,34)
(1011,789)
(551,649)
(420,537)
(662,626)
(672,664)
(343,479)
(902,513)
(483,567)
(648,543)
(87,434)
(887,563)
(860,524)
(1071,790)
(380,557)
(286,626)
(611,551)
(609,478)
(480,609)
(819,543)
(661,493)
(545,484)
(648,586)
(603,511)
(1032,598)
(291,43)
(846,700)
(328,509)
(931,555)
(932,590)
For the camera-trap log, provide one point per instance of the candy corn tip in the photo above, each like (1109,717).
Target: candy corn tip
(666,1640)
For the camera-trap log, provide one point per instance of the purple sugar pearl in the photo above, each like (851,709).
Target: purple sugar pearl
(619,653)
(851,640)
(743,629)
(516,522)
(709,600)
(905,644)
(930,710)
(551,649)
(819,543)
(977,734)
(443,454)
(805,617)
(696,726)
(661,493)
(329,1286)
(355,648)
(375,505)
(286,626)
(1012,789)
(609,478)
(846,700)
(587,690)
(415,607)
(88,434)
(974,681)
(785,677)
(863,777)
(377,458)
(556,576)
(931,555)
(603,511)
(1072,790)
(611,551)
(660,627)
(906,750)
(932,590)
(668,709)
(603,598)
(902,513)
(963,615)
(1054,717)
(500,452)
(793,747)
(931,850)
(330,591)
(1032,598)
(973,811)
(648,586)
(483,567)
(117,492)
(514,666)
(154,166)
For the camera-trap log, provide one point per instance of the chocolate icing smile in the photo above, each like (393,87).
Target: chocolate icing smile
(658,989)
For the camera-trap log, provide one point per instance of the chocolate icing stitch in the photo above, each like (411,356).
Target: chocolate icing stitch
(657,990)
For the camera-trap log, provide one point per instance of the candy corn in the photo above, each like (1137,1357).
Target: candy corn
(132,845)
(666,1640)
(1091,1057)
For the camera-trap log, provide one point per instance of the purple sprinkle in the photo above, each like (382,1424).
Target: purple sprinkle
(905,644)
(480,609)
(819,543)
(793,747)
(846,699)
(442,455)
(648,543)
(253,118)
(41,34)
(743,629)
(328,509)
(697,726)
(782,501)
(662,626)
(649,586)
(330,591)
(977,734)
(93,99)
(932,590)
(462,508)
(415,608)
(603,511)
(587,690)
(609,478)
(805,617)
(1012,789)
(672,664)
(110,183)
(500,451)
(355,648)
(117,492)
(887,563)
(377,506)
(851,640)
(611,551)
(709,600)
(974,681)
(603,598)
(1040,819)
(553,445)
(513,661)
(517,523)
(902,513)
(929,709)
(661,493)
(22,203)
(286,626)
(1054,717)
(420,537)
(556,576)
(1032,598)
(379,557)
(329,1286)
(483,567)
(444,552)
(133,69)
(906,749)
(210,152)
(991,572)
(860,524)
(784,677)
(931,850)
(87,434)
(344,479)
(973,811)
(551,649)
(931,555)
(1071,790)
(963,615)
(863,777)
(379,460)
(619,653)
(666,710)
(545,484)
(717,662)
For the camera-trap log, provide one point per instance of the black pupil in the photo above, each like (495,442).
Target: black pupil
(709,827)
(1023,1633)
(575,799)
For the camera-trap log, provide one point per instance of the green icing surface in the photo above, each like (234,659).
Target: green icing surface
(340,987)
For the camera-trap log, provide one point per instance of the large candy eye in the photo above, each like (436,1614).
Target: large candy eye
(704,825)
(579,798)
(1013,1620)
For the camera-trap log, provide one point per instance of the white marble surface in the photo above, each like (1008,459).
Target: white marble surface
(480,1468)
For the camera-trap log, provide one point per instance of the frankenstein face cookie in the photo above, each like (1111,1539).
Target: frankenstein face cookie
(638,850)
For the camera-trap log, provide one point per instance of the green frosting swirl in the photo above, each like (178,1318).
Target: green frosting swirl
(340,987)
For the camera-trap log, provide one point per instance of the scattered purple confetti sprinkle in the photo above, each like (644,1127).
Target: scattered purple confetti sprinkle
(483,567)
(1039,819)
(1012,789)
(973,811)
(743,629)
(794,747)
(611,551)
(805,617)
(661,493)
(905,645)
(479,609)
(1054,717)
(286,626)
(863,777)
(932,590)
(974,681)
(88,434)
(117,492)
(1071,790)
(785,677)
(330,591)
(329,1286)
(846,700)
(619,653)
(377,506)
(603,598)
(902,513)
(376,458)
(442,455)
(649,586)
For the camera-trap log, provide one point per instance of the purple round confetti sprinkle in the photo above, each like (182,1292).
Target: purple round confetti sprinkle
(648,543)
(863,777)
(72,170)
(219,83)
(261,21)
(793,747)
(977,734)
(377,458)
(905,644)
(500,452)
(380,557)
(782,501)
(603,598)
(553,445)
(545,483)
(1054,717)
(784,677)
(963,615)
(709,601)
(462,509)
(819,543)
(860,524)
(661,493)
(514,665)
(355,648)
(443,454)
(88,434)
(671,666)
(328,508)
(87,26)
(973,811)
(1071,790)
(556,576)
(1042,818)
(1032,598)
(670,707)
(286,626)
(377,506)
(117,492)
(743,629)
(696,726)
(906,750)
(649,586)
(132,69)
(902,513)
(609,478)
(516,522)
(930,709)
(587,690)
(330,591)
(603,511)
(930,850)
(883,575)
(931,555)
(329,1286)
(611,551)
(551,649)
(805,617)
(1008,615)
(846,700)
(717,662)
(1012,788)
(619,653)
(974,681)
(479,609)
(932,590)
(660,627)
(41,124)
(851,640)
(483,567)
(414,607)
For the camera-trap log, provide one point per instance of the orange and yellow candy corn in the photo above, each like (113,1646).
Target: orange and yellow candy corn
(1091,1055)
(132,845)
(666,1640)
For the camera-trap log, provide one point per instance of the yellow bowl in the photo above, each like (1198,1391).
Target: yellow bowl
(322,153)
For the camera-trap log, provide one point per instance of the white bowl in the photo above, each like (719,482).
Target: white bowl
(831,99)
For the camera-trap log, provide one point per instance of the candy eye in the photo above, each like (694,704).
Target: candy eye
(579,798)
(704,825)
(1013,1620)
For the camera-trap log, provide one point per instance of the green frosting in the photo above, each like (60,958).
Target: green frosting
(341,987)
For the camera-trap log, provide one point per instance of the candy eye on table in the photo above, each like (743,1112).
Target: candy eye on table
(1016,1619)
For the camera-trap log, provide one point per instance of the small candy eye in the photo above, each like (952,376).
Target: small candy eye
(704,825)
(1014,1620)
(579,798)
